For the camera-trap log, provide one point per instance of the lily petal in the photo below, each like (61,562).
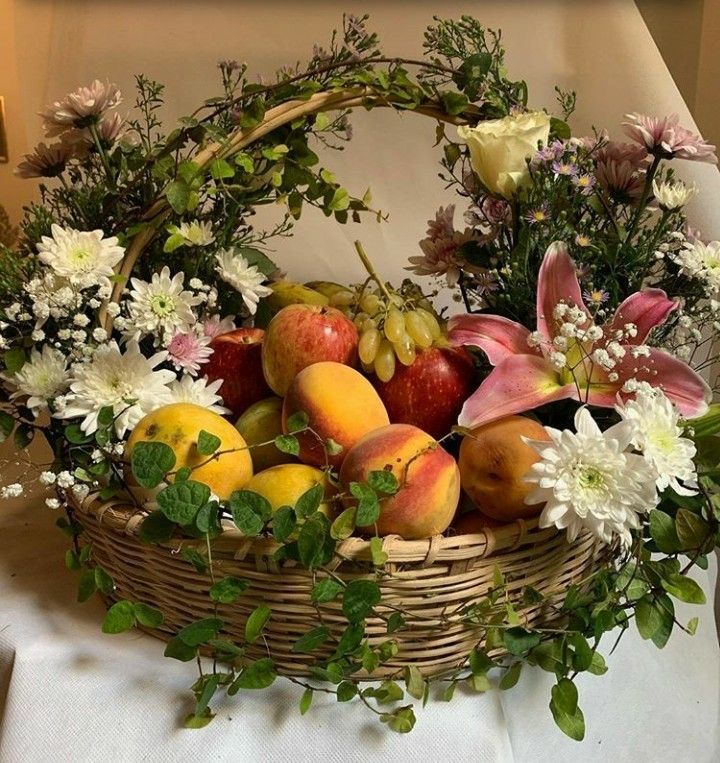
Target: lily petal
(557,282)
(497,337)
(519,383)
(646,309)
(683,386)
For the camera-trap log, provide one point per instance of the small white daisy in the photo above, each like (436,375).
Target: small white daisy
(198,391)
(245,278)
(41,378)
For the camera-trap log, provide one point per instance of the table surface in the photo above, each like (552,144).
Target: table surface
(68,693)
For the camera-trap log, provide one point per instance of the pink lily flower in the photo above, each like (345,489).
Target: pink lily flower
(599,361)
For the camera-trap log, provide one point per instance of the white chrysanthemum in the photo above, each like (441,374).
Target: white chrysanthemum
(586,479)
(673,195)
(160,307)
(197,233)
(41,378)
(127,382)
(659,438)
(247,279)
(84,258)
(198,391)
(702,261)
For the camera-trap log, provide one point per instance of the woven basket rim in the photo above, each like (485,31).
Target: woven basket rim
(120,515)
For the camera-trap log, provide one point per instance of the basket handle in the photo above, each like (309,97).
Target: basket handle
(335,100)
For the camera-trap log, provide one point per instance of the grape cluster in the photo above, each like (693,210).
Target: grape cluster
(392,326)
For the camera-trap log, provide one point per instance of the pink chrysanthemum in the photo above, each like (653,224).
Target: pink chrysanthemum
(665,137)
(46,161)
(80,108)
(214,326)
(620,170)
(188,351)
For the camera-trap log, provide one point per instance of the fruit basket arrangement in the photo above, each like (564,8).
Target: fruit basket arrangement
(340,483)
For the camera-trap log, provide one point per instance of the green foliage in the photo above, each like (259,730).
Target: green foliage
(150,462)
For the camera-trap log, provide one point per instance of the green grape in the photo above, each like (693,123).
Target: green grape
(360,318)
(394,325)
(418,329)
(343,298)
(370,303)
(405,350)
(368,345)
(367,324)
(385,361)
(430,321)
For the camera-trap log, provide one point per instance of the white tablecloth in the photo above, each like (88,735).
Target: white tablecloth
(67,693)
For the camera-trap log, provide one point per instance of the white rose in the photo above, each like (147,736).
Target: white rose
(499,149)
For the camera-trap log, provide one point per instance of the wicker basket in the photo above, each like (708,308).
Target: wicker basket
(432,579)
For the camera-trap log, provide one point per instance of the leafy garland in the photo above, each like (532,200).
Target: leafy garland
(153,181)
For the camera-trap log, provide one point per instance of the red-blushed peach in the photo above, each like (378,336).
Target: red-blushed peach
(474,522)
(493,462)
(427,475)
(341,405)
(300,335)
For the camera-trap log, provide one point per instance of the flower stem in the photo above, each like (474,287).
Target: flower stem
(362,254)
(103,154)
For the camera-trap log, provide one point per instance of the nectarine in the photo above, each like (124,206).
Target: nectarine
(282,485)
(493,462)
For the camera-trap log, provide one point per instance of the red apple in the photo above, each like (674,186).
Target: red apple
(430,393)
(301,335)
(237,361)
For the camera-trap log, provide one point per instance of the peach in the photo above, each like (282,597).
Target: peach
(493,462)
(178,425)
(341,405)
(474,522)
(428,477)
(282,485)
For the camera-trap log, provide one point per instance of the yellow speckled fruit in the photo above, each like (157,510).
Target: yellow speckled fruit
(178,425)
(282,485)
(262,422)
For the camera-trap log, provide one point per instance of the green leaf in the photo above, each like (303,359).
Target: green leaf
(379,557)
(72,561)
(566,713)
(283,523)
(103,581)
(395,623)
(662,529)
(350,640)
(207,443)
(173,242)
(286,443)
(194,721)
(178,196)
(220,169)
(359,599)
(198,561)
(311,640)
(245,162)
(297,422)
(311,540)
(86,585)
(14,359)
(414,682)
(344,524)
(333,448)
(306,701)
(455,103)
(325,590)
(383,481)
(309,502)
(692,530)
(480,662)
(183,474)
(150,462)
(228,590)
(7,424)
(23,436)
(655,618)
(148,616)
(256,622)
(387,693)
(257,675)
(707,424)
(518,640)
(339,201)
(177,649)
(684,588)
(559,128)
(206,520)
(119,618)
(368,509)
(75,435)
(200,631)
(345,691)
(181,501)
(402,721)
(597,665)
(510,676)
(692,625)
(249,511)
(225,648)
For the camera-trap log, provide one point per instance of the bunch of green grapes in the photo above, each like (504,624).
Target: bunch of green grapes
(392,326)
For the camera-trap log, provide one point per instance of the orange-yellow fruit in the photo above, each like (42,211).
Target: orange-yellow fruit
(341,405)
(282,485)
(493,462)
(428,477)
(179,425)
